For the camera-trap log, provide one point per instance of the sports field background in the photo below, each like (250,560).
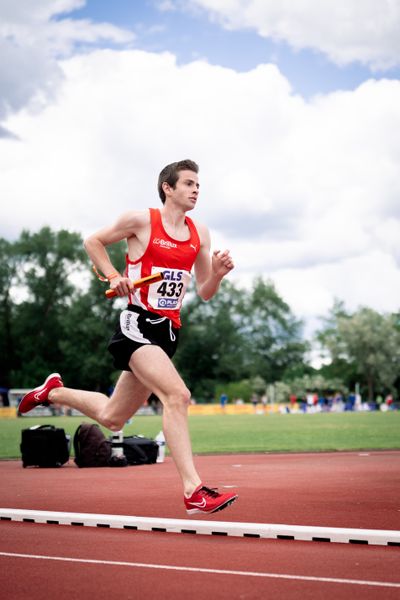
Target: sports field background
(246,433)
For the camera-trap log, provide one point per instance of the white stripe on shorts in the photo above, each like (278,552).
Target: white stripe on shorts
(128,321)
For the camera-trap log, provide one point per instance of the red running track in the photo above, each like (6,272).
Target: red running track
(360,490)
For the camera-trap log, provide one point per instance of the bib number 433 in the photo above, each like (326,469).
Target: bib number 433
(168,294)
(170,289)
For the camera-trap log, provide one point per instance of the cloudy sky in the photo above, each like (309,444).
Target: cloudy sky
(291,108)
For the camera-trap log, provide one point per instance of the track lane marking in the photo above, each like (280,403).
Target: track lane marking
(230,528)
(116,563)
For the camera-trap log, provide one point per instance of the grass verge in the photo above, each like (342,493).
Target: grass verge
(246,433)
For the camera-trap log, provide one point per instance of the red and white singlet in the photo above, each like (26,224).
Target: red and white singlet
(174,259)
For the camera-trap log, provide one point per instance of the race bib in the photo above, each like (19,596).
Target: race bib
(168,293)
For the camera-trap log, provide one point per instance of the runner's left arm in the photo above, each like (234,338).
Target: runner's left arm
(210,270)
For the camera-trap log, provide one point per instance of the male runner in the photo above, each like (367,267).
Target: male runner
(146,338)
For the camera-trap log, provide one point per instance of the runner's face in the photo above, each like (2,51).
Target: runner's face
(186,190)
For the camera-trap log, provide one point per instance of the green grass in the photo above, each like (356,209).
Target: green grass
(247,433)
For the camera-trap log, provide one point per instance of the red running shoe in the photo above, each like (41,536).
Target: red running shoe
(207,500)
(40,394)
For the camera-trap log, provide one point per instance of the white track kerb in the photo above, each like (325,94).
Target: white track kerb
(217,528)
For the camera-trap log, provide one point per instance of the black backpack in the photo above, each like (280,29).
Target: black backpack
(44,446)
(91,447)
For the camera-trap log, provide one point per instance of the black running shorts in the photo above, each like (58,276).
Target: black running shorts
(138,327)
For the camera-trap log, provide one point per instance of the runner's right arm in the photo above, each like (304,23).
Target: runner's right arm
(126,227)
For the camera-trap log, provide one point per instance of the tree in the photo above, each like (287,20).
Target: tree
(272,334)
(239,334)
(52,318)
(316,383)
(8,271)
(45,262)
(369,342)
(210,345)
(338,365)
(87,325)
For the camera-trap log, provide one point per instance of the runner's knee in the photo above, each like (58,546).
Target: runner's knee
(112,422)
(179,399)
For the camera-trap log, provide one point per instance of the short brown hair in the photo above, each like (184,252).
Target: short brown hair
(170,174)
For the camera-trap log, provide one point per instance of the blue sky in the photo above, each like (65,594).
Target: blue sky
(292,110)
(190,34)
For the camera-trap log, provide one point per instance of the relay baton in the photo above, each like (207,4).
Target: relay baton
(139,283)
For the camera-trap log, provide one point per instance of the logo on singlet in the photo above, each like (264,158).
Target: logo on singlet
(164,243)
(167,303)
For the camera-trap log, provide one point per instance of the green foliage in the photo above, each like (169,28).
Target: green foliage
(271,333)
(316,383)
(40,268)
(88,325)
(238,335)
(54,323)
(8,271)
(368,342)
(235,390)
(54,317)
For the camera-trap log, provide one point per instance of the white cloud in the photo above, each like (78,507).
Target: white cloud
(371,279)
(366,31)
(33,36)
(304,192)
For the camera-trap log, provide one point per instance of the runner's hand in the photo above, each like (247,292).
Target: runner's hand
(221,262)
(122,286)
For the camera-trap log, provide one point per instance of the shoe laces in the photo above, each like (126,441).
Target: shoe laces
(212,492)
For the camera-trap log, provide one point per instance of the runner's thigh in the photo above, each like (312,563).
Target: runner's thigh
(156,371)
(128,396)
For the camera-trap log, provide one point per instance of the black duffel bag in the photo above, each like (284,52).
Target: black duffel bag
(44,446)
(140,450)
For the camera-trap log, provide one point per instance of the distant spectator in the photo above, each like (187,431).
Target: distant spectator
(223,400)
(389,401)
(264,402)
(303,404)
(4,400)
(254,401)
(351,400)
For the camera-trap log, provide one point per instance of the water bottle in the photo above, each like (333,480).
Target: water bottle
(160,440)
(116,443)
(118,458)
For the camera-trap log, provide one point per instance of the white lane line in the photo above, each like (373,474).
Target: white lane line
(117,563)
